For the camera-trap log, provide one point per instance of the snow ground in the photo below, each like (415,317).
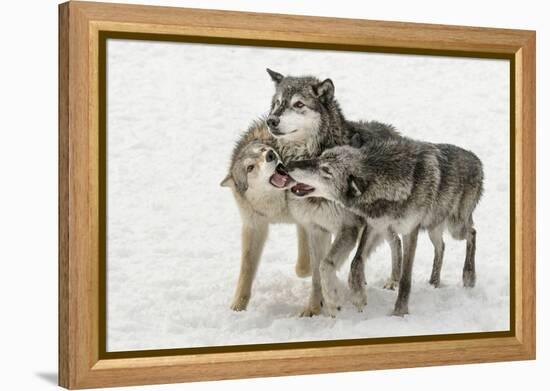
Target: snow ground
(174,112)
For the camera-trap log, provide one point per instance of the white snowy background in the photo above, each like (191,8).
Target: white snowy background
(174,113)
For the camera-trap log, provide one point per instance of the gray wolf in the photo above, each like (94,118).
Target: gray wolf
(403,185)
(307,105)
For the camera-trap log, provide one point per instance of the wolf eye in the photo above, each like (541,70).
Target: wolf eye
(298,105)
(326,170)
(250,168)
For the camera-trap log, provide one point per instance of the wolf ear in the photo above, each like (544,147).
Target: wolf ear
(275,76)
(227,181)
(324,90)
(356,141)
(356,186)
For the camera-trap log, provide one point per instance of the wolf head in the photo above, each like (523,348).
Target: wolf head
(256,167)
(350,174)
(334,175)
(298,106)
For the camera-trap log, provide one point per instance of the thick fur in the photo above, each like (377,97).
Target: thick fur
(403,186)
(319,124)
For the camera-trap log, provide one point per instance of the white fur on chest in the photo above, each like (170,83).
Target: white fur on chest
(326,214)
(270,203)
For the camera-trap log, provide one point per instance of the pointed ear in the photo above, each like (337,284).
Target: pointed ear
(227,181)
(356,141)
(324,90)
(275,76)
(356,186)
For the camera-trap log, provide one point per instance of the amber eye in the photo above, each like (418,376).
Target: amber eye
(250,168)
(298,105)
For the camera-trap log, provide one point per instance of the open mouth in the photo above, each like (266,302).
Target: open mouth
(281,180)
(280,177)
(301,189)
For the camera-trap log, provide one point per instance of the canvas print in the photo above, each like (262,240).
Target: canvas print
(262,195)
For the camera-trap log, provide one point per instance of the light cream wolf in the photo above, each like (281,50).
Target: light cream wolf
(254,161)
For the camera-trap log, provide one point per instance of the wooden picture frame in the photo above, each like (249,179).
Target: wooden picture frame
(83,28)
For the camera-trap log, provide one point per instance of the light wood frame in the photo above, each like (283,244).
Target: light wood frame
(81,364)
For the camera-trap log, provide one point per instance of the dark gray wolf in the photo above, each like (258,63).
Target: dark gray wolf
(402,185)
(304,120)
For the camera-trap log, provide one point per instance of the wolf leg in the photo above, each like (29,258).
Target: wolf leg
(409,249)
(252,243)
(344,242)
(356,278)
(396,259)
(303,268)
(469,271)
(319,242)
(436,236)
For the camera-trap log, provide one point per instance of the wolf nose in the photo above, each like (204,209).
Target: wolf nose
(270,156)
(273,121)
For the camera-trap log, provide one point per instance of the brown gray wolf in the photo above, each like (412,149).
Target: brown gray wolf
(253,163)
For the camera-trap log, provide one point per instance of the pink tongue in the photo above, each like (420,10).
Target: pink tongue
(278,179)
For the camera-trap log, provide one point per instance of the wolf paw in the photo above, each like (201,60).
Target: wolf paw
(310,310)
(400,310)
(333,293)
(469,278)
(391,284)
(435,278)
(359,299)
(240,304)
(435,282)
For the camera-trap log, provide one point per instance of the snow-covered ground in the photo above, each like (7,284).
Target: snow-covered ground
(174,112)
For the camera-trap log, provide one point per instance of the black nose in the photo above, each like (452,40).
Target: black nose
(270,156)
(273,121)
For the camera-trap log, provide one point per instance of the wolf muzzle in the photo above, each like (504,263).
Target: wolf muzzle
(273,121)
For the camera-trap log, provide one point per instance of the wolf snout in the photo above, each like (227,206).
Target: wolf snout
(273,121)
(270,156)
